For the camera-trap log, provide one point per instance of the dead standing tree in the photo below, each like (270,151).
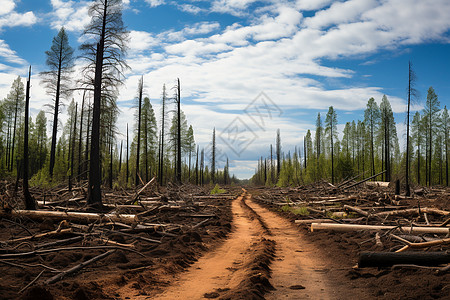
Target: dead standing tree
(138,147)
(104,50)
(411,93)
(29,201)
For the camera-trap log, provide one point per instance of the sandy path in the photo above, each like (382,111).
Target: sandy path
(296,263)
(218,269)
(297,272)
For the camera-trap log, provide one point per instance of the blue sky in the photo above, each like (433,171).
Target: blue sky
(305,55)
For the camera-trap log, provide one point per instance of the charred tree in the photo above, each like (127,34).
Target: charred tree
(30,204)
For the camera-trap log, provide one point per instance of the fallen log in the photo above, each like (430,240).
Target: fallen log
(364,180)
(76,268)
(378,183)
(357,210)
(356,227)
(41,235)
(136,196)
(225,197)
(313,221)
(61,242)
(388,259)
(43,252)
(424,244)
(42,203)
(411,211)
(81,217)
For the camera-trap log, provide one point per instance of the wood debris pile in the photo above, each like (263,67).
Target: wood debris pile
(65,236)
(411,231)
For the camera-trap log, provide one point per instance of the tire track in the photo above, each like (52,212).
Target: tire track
(297,273)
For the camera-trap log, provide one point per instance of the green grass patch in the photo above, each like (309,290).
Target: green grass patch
(217,190)
(302,211)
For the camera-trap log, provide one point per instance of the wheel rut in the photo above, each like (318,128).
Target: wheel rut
(297,273)
(220,270)
(240,267)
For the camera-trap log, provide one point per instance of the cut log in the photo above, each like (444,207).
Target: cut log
(81,217)
(356,227)
(388,259)
(42,203)
(313,221)
(364,180)
(412,211)
(378,183)
(357,210)
(224,197)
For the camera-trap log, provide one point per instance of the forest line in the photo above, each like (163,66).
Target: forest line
(87,146)
(367,147)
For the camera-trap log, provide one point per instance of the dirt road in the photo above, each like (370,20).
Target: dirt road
(220,269)
(295,272)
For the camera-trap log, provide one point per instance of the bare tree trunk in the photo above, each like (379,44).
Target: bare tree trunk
(408,192)
(81,135)
(128,147)
(120,157)
(30,204)
(86,154)
(94,189)
(73,146)
(141,86)
(55,117)
(178,171)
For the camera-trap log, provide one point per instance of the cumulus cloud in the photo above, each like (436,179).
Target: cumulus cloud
(234,7)
(73,15)
(154,3)
(274,46)
(6,6)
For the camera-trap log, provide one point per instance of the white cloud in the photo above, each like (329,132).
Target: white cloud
(141,41)
(73,15)
(10,18)
(340,13)
(189,8)
(312,4)
(6,6)
(9,55)
(271,48)
(154,3)
(234,7)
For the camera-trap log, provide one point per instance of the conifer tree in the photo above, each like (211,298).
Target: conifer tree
(371,119)
(431,112)
(57,81)
(105,46)
(14,104)
(417,137)
(387,133)
(331,129)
